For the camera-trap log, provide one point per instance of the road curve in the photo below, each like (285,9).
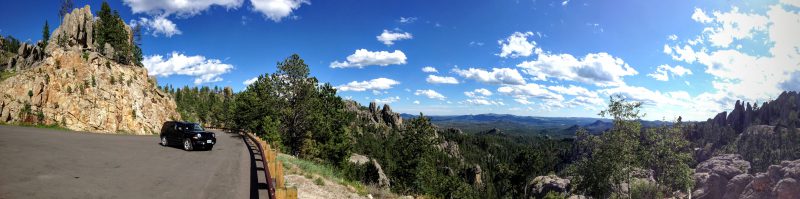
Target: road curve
(44,163)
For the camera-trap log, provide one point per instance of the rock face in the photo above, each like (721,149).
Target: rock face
(76,31)
(541,185)
(375,115)
(713,175)
(726,176)
(76,88)
(474,176)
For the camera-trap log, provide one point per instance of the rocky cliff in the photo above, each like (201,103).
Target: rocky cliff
(375,115)
(72,85)
(727,176)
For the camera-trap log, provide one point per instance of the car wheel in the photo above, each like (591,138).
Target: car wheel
(209,148)
(187,144)
(164,141)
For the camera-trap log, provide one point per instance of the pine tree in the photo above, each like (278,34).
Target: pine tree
(45,34)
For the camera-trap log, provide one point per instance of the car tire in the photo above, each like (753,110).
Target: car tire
(209,148)
(187,144)
(164,141)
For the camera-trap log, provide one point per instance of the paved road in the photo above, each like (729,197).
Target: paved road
(43,163)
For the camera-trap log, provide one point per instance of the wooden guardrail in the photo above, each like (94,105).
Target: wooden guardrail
(273,168)
(273,171)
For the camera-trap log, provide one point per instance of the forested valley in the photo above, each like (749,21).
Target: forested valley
(307,119)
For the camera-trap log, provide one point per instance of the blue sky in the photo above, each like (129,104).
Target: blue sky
(541,58)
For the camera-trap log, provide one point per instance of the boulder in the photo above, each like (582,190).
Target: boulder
(383,181)
(358,159)
(712,176)
(541,185)
(779,181)
(474,176)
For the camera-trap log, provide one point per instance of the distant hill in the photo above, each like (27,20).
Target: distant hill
(525,125)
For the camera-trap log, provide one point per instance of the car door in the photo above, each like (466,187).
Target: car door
(173,133)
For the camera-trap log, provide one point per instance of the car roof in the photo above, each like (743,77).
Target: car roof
(182,122)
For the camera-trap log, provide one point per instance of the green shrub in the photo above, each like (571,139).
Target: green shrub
(645,190)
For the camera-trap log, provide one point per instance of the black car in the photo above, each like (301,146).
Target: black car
(191,135)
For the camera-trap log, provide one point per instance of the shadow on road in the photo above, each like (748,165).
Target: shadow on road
(256,184)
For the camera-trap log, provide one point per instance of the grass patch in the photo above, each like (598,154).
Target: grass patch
(322,170)
(319,182)
(41,126)
(5,74)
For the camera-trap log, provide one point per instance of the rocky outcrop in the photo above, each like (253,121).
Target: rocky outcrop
(374,173)
(375,115)
(82,90)
(474,176)
(779,181)
(713,175)
(76,31)
(541,185)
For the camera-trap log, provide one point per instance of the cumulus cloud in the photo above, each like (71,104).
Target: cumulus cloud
(363,57)
(276,10)
(480,97)
(432,94)
(416,101)
(516,45)
(793,84)
(388,37)
(480,101)
(158,26)
(180,8)
(496,76)
(663,72)
(387,100)
(757,72)
(600,69)
(250,81)
(480,92)
(429,69)
(529,90)
(700,16)
(159,11)
(433,79)
(204,70)
(374,84)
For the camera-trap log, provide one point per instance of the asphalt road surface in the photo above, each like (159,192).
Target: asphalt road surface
(44,163)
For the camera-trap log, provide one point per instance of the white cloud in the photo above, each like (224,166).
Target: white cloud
(158,25)
(496,76)
(416,101)
(363,57)
(374,84)
(250,81)
(700,16)
(388,37)
(430,94)
(407,19)
(730,26)
(477,93)
(387,100)
(429,69)
(517,45)
(572,90)
(276,10)
(663,72)
(159,10)
(204,70)
(529,90)
(480,101)
(433,79)
(180,8)
(475,43)
(673,37)
(600,69)
(760,70)
(564,3)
